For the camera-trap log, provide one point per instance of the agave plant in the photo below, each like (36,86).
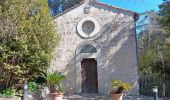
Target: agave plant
(120,86)
(54,78)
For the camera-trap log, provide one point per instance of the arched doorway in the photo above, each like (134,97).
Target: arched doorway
(89,76)
(87,71)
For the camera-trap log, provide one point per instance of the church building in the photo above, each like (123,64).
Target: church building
(97,45)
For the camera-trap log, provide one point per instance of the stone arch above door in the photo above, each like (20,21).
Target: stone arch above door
(88,48)
(87,43)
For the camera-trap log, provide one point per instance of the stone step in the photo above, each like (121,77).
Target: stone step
(87,97)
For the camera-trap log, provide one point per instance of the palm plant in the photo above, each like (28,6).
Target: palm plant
(120,86)
(54,78)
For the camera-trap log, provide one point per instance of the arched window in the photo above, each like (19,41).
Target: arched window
(88,48)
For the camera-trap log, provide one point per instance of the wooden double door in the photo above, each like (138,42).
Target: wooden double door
(89,76)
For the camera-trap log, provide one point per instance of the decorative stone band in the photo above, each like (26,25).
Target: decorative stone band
(91,29)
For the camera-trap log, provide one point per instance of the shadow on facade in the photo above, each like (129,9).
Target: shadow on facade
(114,41)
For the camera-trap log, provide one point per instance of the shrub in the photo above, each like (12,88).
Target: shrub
(32,86)
(8,92)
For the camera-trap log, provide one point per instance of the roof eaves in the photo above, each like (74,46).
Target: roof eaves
(97,2)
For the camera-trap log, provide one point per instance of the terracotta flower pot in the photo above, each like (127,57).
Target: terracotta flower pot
(56,96)
(117,96)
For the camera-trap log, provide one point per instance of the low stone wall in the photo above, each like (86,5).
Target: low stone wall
(11,98)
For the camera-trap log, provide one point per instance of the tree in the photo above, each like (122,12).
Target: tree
(154,50)
(150,45)
(27,40)
(165,15)
(69,3)
(167,55)
(165,22)
(59,6)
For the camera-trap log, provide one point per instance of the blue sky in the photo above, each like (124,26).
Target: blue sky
(135,5)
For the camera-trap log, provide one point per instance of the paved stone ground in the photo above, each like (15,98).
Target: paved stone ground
(142,98)
(106,97)
(87,97)
(92,97)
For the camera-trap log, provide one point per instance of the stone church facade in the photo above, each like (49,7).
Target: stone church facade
(97,45)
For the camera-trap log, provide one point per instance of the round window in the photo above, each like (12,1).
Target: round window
(88,27)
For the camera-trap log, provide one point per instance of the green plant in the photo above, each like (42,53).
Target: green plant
(32,86)
(54,78)
(27,40)
(120,86)
(8,92)
(60,88)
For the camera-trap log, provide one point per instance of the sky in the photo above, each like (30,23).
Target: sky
(135,5)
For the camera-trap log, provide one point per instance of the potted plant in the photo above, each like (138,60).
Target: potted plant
(54,80)
(118,88)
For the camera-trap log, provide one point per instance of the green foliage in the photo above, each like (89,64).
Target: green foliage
(27,40)
(154,57)
(120,86)
(165,22)
(147,81)
(69,3)
(32,86)
(152,48)
(8,92)
(59,6)
(145,61)
(165,15)
(54,78)
(167,55)
(60,88)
